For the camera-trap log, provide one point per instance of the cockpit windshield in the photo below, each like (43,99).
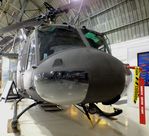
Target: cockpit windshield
(57,38)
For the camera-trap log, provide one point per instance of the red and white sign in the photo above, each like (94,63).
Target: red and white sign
(142,101)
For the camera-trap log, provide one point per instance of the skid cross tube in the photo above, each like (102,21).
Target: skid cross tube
(17,116)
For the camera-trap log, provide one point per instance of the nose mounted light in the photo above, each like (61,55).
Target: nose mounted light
(75,0)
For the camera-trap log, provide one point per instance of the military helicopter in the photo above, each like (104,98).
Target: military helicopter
(63,64)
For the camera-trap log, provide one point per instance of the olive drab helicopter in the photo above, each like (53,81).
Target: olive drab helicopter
(63,64)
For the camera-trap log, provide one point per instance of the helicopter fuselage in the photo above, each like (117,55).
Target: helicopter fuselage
(70,74)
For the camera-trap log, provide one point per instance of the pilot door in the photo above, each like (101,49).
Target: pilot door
(22,63)
(30,64)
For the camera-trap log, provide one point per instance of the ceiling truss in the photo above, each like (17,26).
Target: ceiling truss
(13,11)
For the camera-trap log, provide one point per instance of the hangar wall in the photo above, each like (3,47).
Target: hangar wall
(9,70)
(127,52)
(121,20)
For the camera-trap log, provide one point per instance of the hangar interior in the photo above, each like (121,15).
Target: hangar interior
(126,26)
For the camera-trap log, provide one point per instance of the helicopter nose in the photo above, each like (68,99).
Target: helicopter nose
(80,75)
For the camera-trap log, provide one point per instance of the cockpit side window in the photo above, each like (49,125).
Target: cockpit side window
(96,40)
(31,58)
(23,57)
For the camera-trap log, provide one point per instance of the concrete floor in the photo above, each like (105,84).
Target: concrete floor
(71,122)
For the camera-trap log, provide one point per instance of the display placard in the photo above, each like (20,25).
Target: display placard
(143,62)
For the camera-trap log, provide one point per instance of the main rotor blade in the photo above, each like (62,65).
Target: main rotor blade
(69,6)
(34,21)
(27,23)
(11,55)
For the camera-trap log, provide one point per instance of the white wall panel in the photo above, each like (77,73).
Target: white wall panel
(127,52)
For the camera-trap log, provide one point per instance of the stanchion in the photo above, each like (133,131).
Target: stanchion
(142,101)
(139,91)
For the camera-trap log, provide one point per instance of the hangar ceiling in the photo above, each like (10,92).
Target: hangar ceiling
(121,20)
(17,10)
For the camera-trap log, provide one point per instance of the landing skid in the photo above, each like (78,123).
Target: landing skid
(51,107)
(93,109)
(17,116)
